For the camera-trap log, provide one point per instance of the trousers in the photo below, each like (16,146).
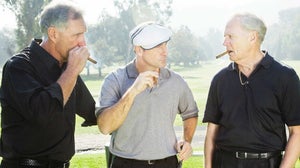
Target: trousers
(169,162)
(31,163)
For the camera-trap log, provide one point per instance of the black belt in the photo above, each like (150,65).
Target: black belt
(250,155)
(37,163)
(145,162)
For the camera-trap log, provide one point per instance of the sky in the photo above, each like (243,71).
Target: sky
(198,15)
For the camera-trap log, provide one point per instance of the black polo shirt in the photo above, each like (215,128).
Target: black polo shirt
(252,117)
(34,122)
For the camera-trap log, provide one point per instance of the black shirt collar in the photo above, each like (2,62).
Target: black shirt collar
(43,55)
(265,62)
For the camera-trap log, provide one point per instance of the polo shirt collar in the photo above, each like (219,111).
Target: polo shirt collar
(265,62)
(43,54)
(131,70)
(44,61)
(133,73)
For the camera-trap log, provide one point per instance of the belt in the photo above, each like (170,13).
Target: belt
(145,162)
(248,155)
(37,163)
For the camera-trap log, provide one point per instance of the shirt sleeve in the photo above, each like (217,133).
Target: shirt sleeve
(211,110)
(290,99)
(22,90)
(110,93)
(187,104)
(85,104)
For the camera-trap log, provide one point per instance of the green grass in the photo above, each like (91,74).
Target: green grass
(88,161)
(98,161)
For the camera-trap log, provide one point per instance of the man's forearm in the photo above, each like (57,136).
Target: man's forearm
(189,126)
(113,117)
(67,83)
(292,150)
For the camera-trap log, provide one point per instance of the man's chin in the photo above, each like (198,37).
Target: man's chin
(163,65)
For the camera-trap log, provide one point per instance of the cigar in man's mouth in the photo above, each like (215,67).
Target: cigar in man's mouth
(222,54)
(92,60)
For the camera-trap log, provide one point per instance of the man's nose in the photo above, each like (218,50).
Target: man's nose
(226,42)
(82,42)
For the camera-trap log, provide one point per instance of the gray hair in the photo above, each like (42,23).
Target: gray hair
(57,14)
(252,23)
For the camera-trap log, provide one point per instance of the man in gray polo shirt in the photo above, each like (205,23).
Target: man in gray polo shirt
(139,104)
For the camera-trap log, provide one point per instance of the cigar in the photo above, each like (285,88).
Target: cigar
(92,60)
(155,80)
(222,54)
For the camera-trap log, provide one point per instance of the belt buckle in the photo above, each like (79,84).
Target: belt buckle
(237,155)
(66,164)
(264,155)
(241,155)
(150,162)
(63,165)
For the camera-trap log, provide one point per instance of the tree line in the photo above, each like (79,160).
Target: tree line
(109,43)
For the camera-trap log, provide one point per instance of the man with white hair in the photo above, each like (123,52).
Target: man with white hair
(250,103)
(139,103)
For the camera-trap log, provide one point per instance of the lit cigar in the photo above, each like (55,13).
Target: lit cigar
(222,54)
(92,60)
(155,81)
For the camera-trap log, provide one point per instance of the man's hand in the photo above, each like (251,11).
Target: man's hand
(184,150)
(77,58)
(144,80)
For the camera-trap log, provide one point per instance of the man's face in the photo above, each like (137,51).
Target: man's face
(70,37)
(157,56)
(236,40)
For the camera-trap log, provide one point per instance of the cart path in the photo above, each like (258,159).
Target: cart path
(97,142)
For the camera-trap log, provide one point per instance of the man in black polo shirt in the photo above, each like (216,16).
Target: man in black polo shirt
(249,104)
(41,92)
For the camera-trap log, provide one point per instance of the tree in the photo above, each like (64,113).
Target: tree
(26,12)
(282,39)
(145,10)
(213,43)
(133,12)
(183,47)
(109,39)
(290,20)
(7,45)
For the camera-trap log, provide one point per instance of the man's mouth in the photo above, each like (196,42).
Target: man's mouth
(229,51)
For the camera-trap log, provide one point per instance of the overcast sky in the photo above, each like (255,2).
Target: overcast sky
(198,15)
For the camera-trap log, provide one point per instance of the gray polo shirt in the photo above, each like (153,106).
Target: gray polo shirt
(148,133)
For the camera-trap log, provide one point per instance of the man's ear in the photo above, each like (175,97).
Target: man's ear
(52,34)
(138,50)
(253,36)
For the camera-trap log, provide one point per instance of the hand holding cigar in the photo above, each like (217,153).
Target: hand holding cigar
(222,54)
(89,58)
